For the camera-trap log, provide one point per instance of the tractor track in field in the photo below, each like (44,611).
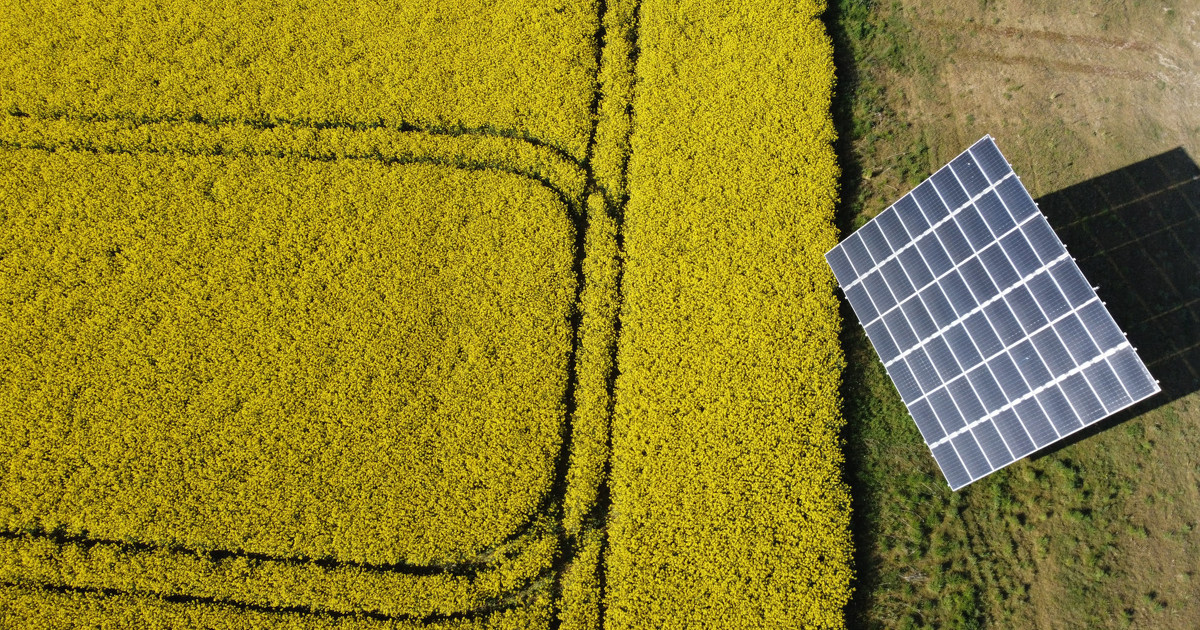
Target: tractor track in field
(552,501)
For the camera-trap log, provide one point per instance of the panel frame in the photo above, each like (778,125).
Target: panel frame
(1017,269)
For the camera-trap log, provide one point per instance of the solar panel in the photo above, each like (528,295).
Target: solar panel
(994,339)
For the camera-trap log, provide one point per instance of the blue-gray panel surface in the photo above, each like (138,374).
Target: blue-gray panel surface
(996,342)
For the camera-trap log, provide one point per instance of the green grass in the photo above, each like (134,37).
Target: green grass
(1068,538)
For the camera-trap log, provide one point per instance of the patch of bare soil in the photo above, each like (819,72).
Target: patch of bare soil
(1098,103)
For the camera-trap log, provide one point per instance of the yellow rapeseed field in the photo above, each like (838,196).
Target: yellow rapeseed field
(432,314)
(728,506)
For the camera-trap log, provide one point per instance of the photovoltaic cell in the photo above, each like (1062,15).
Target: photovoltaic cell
(948,187)
(1031,416)
(1020,253)
(1043,239)
(1071,281)
(876,244)
(934,254)
(947,413)
(930,203)
(1046,292)
(971,455)
(897,280)
(1014,433)
(1004,322)
(939,307)
(842,269)
(1076,337)
(857,253)
(911,216)
(995,214)
(1020,205)
(1083,399)
(951,465)
(973,227)
(877,288)
(1028,313)
(985,385)
(958,293)
(998,266)
(1107,386)
(978,280)
(992,444)
(906,384)
(856,294)
(1058,410)
(882,340)
(893,230)
(953,240)
(990,161)
(915,266)
(1051,349)
(962,346)
(996,342)
(983,334)
(918,316)
(969,174)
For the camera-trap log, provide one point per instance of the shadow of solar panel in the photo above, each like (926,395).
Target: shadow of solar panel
(996,342)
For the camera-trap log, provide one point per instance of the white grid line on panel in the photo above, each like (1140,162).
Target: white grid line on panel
(1106,357)
(1049,322)
(985,457)
(1029,334)
(979,308)
(1106,360)
(954,267)
(1076,370)
(1005,349)
(1020,281)
(1093,338)
(933,226)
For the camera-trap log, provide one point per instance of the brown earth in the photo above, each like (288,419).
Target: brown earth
(1097,105)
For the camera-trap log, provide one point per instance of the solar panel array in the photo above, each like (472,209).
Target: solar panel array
(994,339)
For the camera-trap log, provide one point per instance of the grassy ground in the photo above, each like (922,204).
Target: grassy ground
(1094,105)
